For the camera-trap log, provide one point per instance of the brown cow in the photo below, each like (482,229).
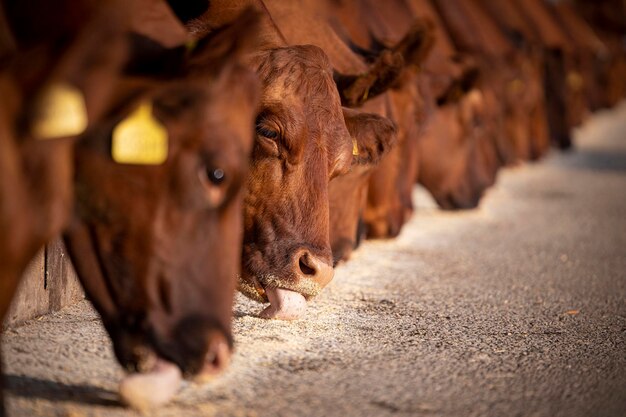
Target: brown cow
(389,204)
(302,143)
(389,200)
(134,235)
(51,91)
(374,133)
(564,85)
(591,53)
(51,66)
(459,149)
(348,193)
(474,33)
(449,167)
(608,19)
(530,72)
(158,247)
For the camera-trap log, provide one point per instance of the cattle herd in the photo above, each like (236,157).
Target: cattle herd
(188,149)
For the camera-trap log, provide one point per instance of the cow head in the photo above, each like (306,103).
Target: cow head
(375,136)
(384,72)
(301,144)
(156,233)
(389,203)
(458,156)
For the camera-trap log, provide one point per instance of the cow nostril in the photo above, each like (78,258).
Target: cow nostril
(214,362)
(217,358)
(315,271)
(305,268)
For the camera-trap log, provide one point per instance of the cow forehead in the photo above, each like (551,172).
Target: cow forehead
(219,111)
(301,79)
(303,58)
(302,71)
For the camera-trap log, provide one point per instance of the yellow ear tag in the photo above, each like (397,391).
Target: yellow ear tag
(355,147)
(575,81)
(190,45)
(516,86)
(140,138)
(61,112)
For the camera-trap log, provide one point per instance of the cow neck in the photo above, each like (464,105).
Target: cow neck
(471,29)
(542,20)
(582,34)
(443,49)
(509,18)
(442,66)
(389,24)
(274,25)
(225,12)
(492,39)
(299,29)
(348,20)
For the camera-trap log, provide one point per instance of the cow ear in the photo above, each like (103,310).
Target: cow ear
(472,107)
(417,43)
(372,136)
(469,79)
(74,68)
(354,90)
(98,56)
(220,46)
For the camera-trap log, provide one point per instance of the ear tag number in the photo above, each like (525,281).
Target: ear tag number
(355,147)
(61,112)
(140,139)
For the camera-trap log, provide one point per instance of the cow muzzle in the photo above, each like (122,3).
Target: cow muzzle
(158,380)
(152,388)
(288,301)
(308,267)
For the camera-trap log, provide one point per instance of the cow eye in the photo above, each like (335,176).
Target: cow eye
(212,176)
(266,132)
(216,175)
(213,180)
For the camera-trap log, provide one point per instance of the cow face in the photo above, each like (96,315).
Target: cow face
(376,135)
(511,97)
(156,239)
(301,144)
(389,203)
(458,157)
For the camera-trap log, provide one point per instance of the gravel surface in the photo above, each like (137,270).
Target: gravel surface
(515,309)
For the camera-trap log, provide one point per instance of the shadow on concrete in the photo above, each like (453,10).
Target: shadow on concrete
(238,313)
(28,387)
(595,160)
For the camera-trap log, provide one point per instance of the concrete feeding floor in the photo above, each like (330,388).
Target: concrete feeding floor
(515,309)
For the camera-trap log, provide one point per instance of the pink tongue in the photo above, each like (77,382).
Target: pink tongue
(144,391)
(284,305)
